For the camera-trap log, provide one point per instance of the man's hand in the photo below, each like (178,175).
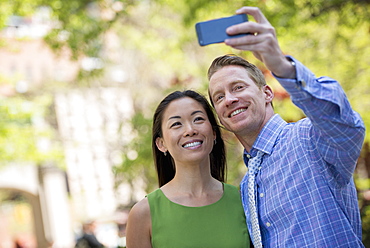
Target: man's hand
(262,42)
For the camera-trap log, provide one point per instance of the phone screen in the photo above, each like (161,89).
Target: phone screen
(214,31)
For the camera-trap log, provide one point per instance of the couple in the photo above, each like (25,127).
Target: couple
(299,189)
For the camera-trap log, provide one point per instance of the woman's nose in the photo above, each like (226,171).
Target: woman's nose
(190,131)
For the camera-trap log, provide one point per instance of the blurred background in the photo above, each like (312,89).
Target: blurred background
(79,82)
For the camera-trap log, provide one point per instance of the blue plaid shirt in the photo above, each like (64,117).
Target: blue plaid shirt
(306,195)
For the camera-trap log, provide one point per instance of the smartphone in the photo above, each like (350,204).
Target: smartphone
(214,31)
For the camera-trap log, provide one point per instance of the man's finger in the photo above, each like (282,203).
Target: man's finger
(245,41)
(249,28)
(255,12)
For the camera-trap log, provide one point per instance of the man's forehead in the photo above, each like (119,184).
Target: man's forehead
(227,76)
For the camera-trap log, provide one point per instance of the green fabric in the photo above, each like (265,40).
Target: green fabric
(221,224)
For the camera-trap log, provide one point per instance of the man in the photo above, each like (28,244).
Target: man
(304,190)
(88,239)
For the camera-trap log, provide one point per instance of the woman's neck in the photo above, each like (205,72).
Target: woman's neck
(193,191)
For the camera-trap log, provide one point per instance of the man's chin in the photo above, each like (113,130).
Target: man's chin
(235,128)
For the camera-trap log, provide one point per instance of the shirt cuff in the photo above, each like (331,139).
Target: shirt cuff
(297,88)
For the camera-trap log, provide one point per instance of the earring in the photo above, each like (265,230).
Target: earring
(165,153)
(215,141)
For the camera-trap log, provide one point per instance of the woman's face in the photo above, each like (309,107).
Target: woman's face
(187,132)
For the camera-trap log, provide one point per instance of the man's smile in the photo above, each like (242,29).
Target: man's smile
(237,111)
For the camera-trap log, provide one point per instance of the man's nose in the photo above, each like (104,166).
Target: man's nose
(230,99)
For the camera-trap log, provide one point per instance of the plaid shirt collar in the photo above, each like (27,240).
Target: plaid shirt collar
(267,138)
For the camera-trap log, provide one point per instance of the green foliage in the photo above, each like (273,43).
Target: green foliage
(137,157)
(21,8)
(80,31)
(79,25)
(365,216)
(331,38)
(235,165)
(23,137)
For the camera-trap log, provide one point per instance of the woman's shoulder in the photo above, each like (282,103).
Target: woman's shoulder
(154,193)
(230,187)
(138,228)
(231,190)
(140,209)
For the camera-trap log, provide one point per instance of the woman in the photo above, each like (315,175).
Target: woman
(193,206)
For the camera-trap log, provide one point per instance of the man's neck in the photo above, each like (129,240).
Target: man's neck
(247,142)
(248,138)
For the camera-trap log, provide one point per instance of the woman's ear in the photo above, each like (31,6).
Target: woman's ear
(160,144)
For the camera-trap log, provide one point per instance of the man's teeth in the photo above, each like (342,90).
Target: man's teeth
(192,144)
(237,112)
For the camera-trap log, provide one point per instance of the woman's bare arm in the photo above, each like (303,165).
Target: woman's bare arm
(138,230)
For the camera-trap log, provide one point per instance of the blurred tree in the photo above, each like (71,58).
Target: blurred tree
(137,158)
(158,50)
(24,134)
(78,24)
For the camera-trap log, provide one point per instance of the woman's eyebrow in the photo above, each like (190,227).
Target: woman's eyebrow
(179,117)
(197,111)
(174,117)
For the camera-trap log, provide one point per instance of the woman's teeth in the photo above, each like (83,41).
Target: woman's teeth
(192,144)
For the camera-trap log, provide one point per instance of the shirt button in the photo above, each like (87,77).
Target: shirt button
(248,156)
(268,224)
(262,195)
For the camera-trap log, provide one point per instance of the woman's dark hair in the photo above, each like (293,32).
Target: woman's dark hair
(164,164)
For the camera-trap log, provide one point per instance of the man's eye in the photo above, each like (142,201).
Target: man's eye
(218,98)
(238,87)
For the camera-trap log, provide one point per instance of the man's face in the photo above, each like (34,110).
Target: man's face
(239,103)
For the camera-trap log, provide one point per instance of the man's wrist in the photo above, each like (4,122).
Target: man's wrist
(288,70)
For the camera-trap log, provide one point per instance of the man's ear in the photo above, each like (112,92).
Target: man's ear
(160,144)
(269,94)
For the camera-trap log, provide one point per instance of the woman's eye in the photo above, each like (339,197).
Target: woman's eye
(175,124)
(199,119)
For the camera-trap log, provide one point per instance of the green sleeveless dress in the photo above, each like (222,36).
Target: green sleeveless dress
(221,224)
